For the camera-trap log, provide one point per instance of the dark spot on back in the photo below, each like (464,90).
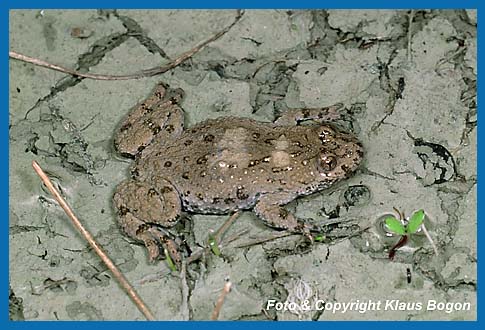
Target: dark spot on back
(202,160)
(209,138)
(169,128)
(156,130)
(241,194)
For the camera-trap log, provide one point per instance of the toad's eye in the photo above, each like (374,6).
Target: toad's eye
(326,163)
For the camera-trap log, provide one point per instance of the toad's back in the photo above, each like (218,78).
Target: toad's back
(226,164)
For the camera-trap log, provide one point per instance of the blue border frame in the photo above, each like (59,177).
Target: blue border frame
(6,5)
(194,4)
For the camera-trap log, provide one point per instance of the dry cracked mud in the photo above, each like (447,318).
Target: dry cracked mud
(407,80)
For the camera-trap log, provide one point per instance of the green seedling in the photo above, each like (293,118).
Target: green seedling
(169,261)
(396,226)
(213,245)
(319,238)
(412,226)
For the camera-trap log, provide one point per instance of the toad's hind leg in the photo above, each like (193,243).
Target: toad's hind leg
(293,117)
(159,117)
(142,208)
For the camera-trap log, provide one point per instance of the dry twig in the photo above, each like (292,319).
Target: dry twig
(261,240)
(220,301)
(184,305)
(96,247)
(137,75)
(225,226)
(428,236)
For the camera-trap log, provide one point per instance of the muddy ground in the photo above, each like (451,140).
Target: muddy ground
(407,80)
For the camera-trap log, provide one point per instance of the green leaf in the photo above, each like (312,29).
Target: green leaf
(395,226)
(415,221)
(214,246)
(319,238)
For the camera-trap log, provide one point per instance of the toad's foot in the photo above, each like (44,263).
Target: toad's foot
(153,237)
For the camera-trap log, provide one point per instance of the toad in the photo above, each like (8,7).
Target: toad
(223,165)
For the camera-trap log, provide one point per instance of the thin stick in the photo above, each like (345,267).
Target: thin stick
(261,240)
(220,301)
(96,247)
(222,229)
(137,75)
(428,236)
(184,305)
(233,237)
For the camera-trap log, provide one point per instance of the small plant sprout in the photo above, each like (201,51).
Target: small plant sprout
(169,261)
(414,223)
(319,238)
(213,244)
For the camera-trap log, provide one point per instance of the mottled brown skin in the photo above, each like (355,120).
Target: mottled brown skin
(225,164)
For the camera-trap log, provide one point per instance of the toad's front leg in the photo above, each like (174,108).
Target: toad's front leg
(270,209)
(142,208)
